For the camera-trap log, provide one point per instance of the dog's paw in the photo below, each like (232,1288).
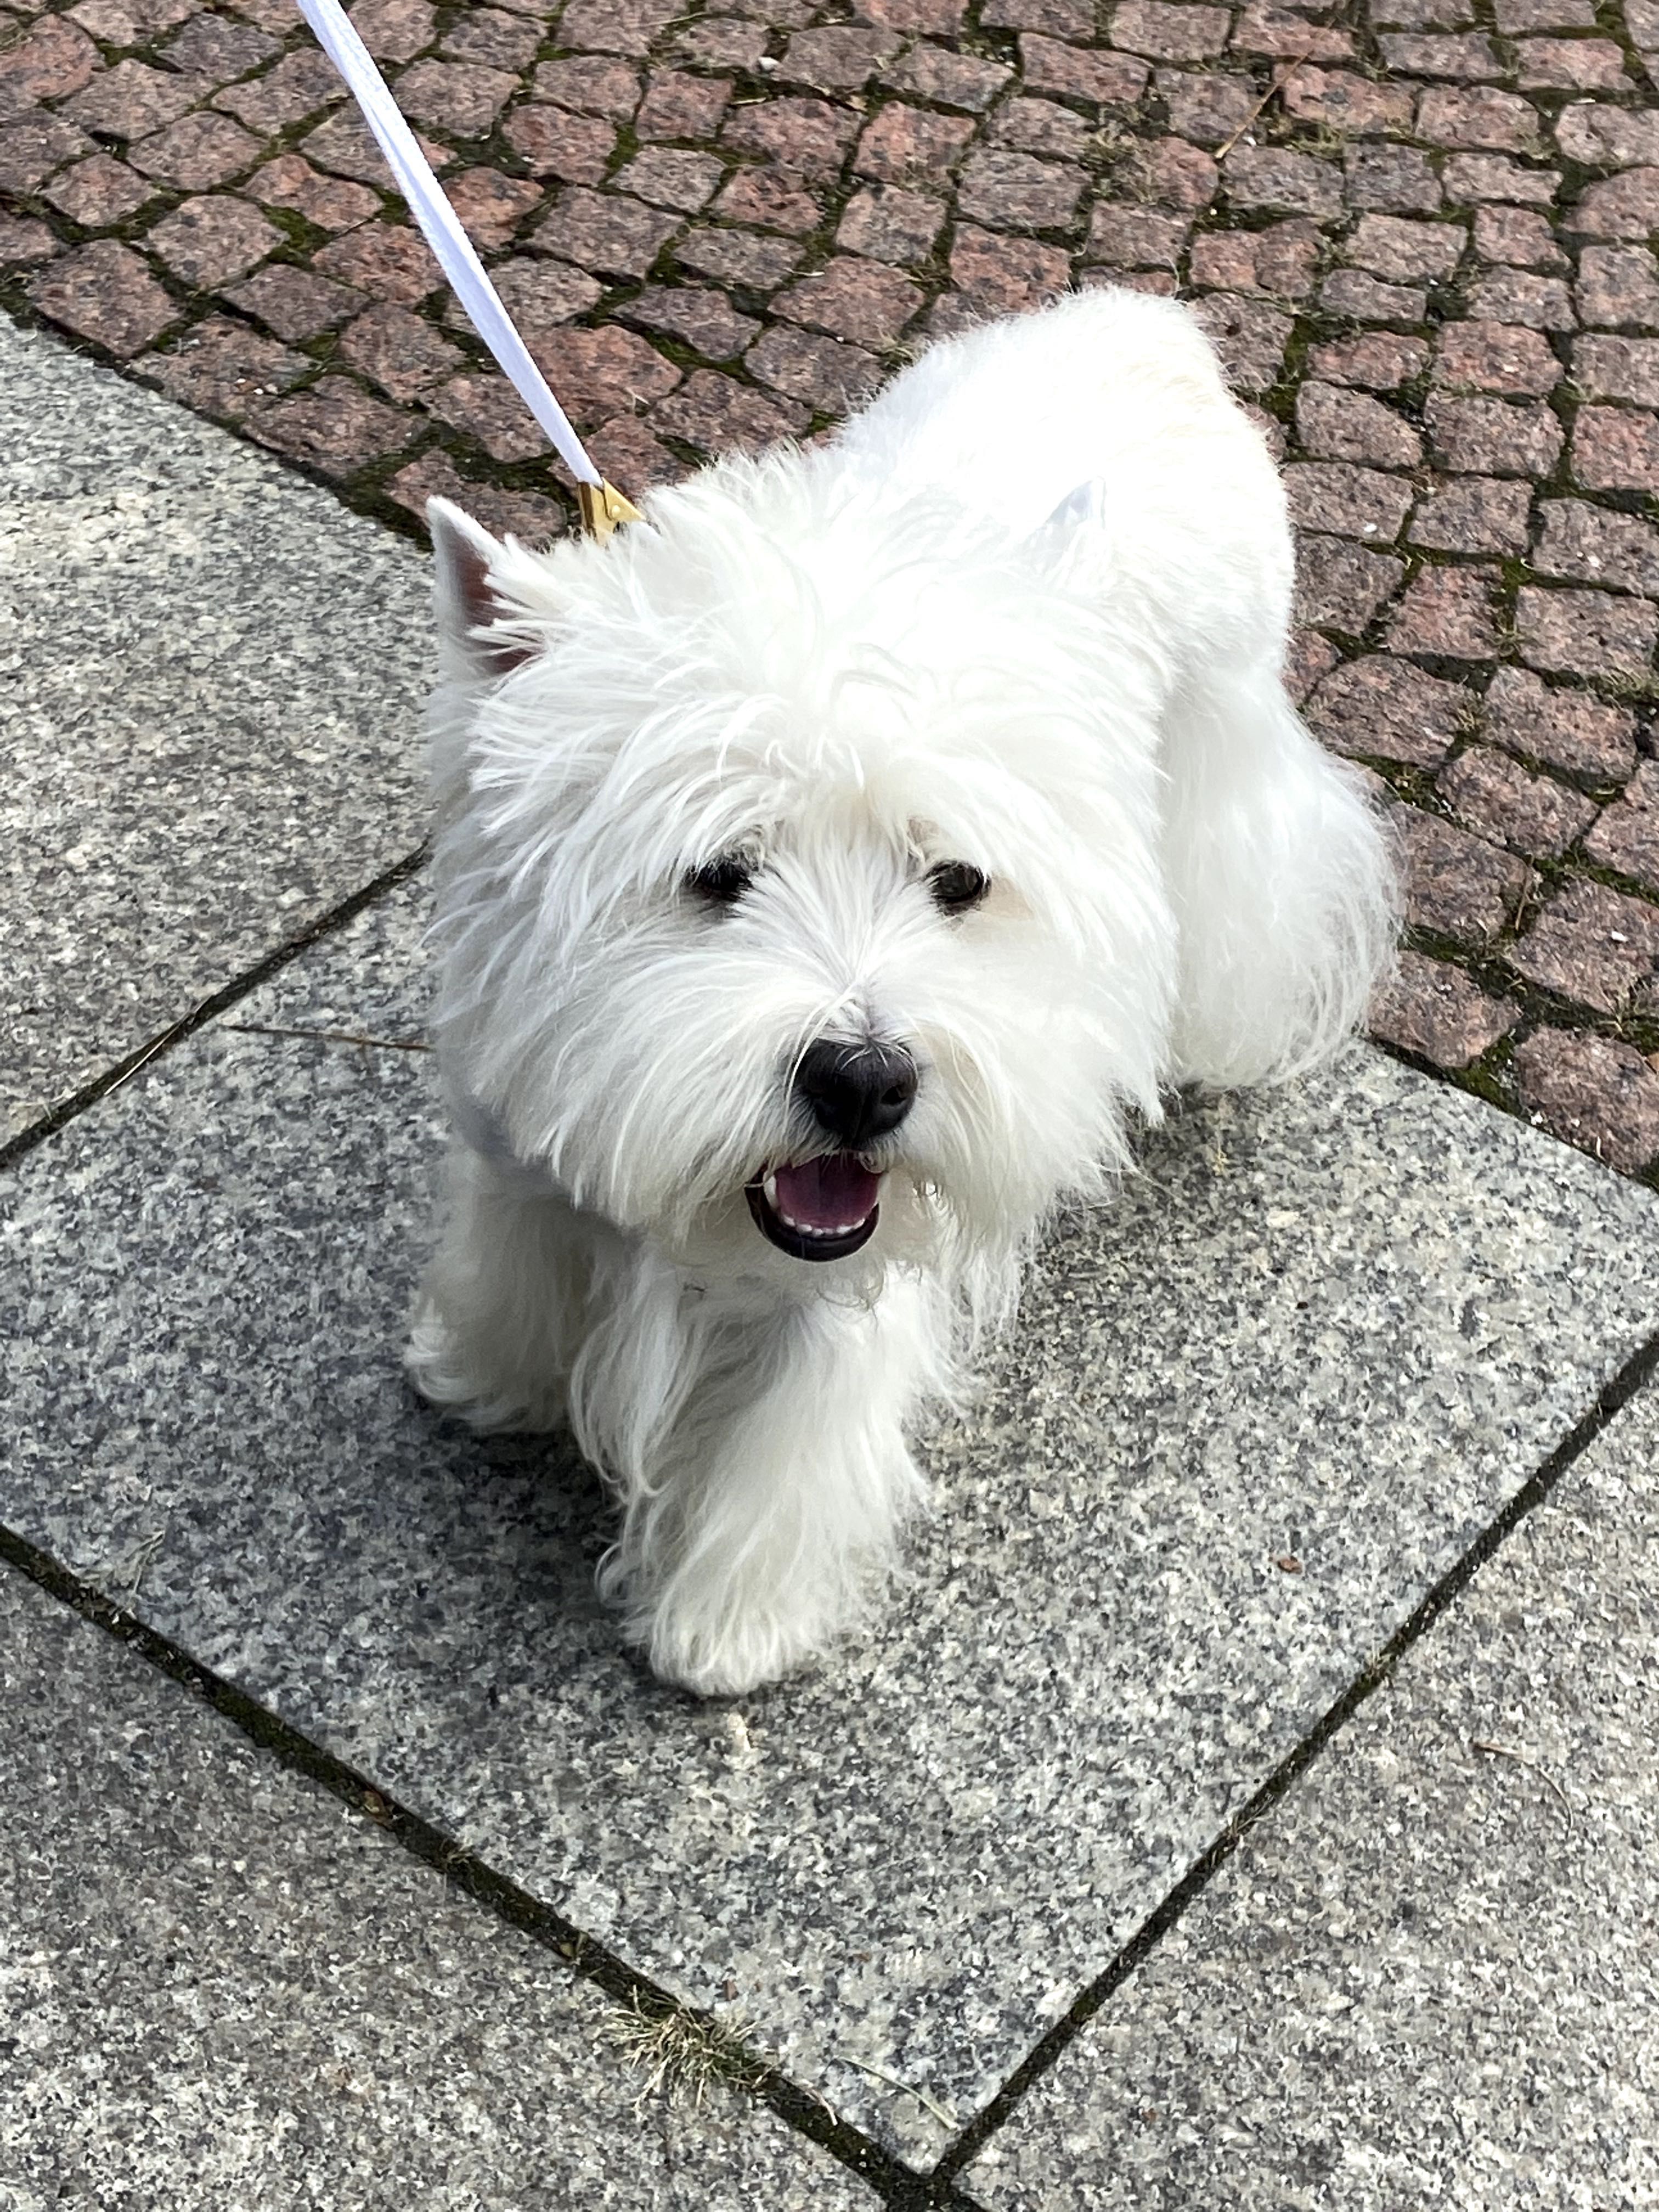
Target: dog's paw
(718,1652)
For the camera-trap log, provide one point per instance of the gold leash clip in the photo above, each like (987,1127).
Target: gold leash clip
(604,509)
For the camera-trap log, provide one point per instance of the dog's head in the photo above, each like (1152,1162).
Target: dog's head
(798,882)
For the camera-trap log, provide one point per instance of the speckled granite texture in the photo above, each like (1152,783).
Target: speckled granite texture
(1431,1976)
(1340,1325)
(218,1991)
(210,685)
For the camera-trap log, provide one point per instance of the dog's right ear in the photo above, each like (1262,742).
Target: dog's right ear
(470,608)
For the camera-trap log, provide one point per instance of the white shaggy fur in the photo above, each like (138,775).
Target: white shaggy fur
(1028,612)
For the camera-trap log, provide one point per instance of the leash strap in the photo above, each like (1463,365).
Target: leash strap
(603,506)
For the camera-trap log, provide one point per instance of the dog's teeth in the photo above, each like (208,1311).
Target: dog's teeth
(817,1230)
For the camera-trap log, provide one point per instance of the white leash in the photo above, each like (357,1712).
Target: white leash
(603,506)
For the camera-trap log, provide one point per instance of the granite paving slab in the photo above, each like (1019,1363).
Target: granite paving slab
(1335,1328)
(219,1988)
(210,683)
(1431,1975)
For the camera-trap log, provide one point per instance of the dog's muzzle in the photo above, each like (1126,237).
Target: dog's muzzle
(823,1211)
(857,1093)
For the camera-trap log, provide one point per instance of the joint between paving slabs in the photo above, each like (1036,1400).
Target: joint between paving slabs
(1638,1371)
(207,1009)
(895,2184)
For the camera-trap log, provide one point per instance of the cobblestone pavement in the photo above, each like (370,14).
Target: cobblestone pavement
(1419,229)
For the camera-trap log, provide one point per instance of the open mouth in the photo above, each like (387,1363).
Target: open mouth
(823,1211)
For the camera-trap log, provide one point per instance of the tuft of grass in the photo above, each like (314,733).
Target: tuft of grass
(1322,138)
(681,2056)
(1631,687)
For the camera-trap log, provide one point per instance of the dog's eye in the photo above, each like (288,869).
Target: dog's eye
(722,882)
(955,886)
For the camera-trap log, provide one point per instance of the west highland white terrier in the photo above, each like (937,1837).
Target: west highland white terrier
(830,867)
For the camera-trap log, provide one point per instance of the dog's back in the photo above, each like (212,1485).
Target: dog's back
(1104,425)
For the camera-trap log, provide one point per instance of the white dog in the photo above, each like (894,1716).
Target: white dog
(828,868)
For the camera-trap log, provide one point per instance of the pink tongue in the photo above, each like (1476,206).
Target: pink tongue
(833,1193)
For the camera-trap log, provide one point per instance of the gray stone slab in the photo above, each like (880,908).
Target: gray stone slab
(220,1987)
(1344,1322)
(210,680)
(1431,1977)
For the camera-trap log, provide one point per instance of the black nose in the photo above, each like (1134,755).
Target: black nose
(856,1092)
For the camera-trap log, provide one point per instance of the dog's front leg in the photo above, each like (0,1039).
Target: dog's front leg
(785,1482)
(504,1308)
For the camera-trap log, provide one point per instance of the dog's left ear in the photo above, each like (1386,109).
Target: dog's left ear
(1086,505)
(469,606)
